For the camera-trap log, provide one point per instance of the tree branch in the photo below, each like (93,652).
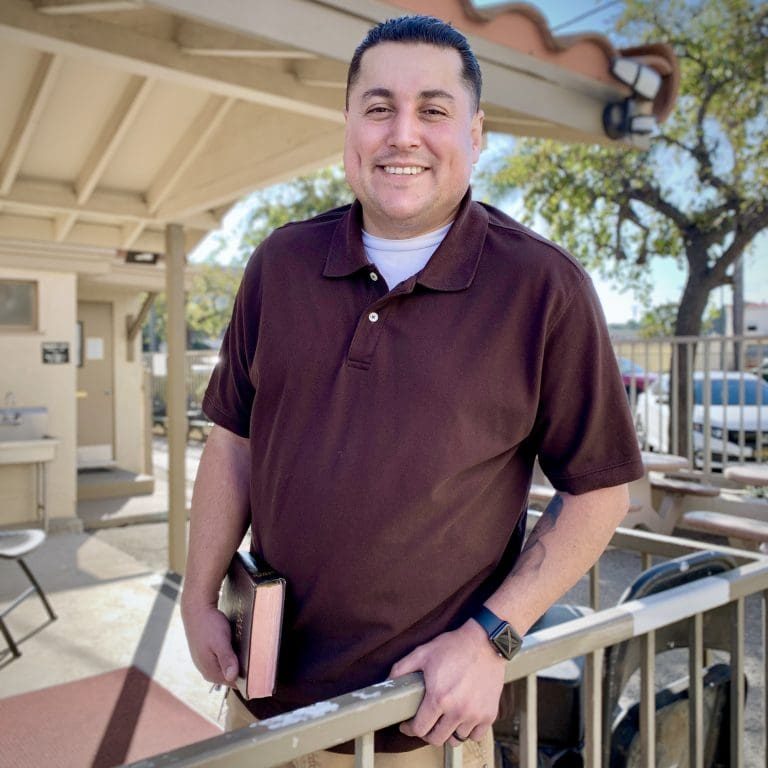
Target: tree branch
(651,196)
(745,232)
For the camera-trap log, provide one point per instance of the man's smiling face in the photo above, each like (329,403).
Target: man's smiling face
(412,136)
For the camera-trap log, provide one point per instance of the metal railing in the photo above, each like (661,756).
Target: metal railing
(356,716)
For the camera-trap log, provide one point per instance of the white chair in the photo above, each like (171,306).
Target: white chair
(13,546)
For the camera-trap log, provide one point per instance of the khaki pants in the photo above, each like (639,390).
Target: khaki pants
(476,754)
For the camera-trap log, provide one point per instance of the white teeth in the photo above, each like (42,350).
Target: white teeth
(408,170)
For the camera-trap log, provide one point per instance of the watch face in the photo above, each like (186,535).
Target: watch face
(507,641)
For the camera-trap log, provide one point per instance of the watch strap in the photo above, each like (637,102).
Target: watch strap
(488,620)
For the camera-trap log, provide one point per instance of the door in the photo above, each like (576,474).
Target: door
(95,386)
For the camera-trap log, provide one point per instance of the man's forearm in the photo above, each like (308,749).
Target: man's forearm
(568,539)
(219,517)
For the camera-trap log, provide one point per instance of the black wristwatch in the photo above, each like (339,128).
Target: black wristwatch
(503,638)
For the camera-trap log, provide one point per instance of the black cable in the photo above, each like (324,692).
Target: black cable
(585,15)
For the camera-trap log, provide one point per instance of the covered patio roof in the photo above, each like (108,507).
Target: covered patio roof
(121,116)
(134,125)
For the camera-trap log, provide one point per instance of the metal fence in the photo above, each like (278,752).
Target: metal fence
(641,626)
(705,398)
(717,416)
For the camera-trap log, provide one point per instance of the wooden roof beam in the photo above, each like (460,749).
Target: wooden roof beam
(131,233)
(192,143)
(62,226)
(114,132)
(39,92)
(58,199)
(131,51)
(63,7)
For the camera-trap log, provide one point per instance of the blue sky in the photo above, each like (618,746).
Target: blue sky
(667,278)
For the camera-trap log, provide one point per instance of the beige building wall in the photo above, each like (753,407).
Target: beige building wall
(34,383)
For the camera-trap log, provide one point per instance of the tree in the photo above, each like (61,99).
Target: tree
(659,321)
(699,196)
(296,200)
(208,307)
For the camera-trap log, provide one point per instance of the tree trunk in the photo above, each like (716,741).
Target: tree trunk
(688,323)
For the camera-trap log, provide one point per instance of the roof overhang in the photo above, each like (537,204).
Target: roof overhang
(121,117)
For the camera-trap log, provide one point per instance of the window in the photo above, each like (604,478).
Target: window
(18,305)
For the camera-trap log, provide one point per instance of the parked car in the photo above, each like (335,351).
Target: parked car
(633,373)
(737,402)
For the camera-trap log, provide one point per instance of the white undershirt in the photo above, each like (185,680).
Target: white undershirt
(397,260)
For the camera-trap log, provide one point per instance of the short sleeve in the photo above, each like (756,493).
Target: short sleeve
(229,396)
(584,428)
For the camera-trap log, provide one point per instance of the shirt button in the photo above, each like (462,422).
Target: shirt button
(374,276)
(373,317)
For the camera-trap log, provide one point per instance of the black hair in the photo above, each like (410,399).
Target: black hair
(420,29)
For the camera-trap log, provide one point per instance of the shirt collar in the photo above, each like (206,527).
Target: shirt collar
(452,266)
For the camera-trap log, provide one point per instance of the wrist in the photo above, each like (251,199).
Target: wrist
(474,636)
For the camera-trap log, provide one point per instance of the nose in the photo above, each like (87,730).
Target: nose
(404,131)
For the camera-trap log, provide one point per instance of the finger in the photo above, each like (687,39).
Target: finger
(228,665)
(478,732)
(423,722)
(443,732)
(411,663)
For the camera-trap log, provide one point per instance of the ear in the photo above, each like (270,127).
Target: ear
(477,134)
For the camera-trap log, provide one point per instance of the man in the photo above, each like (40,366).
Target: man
(391,371)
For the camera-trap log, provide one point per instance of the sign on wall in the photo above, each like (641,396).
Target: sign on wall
(55,352)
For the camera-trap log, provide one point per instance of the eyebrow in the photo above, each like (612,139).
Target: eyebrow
(436,93)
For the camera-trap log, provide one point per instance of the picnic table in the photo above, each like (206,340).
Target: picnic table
(748,474)
(664,517)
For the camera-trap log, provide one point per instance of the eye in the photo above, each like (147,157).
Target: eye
(377,109)
(434,112)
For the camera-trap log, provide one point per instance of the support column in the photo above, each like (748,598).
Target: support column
(176,397)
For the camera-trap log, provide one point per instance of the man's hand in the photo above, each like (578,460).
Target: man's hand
(463,676)
(210,643)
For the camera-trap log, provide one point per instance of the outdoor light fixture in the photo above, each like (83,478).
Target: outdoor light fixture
(643,80)
(633,115)
(624,118)
(141,257)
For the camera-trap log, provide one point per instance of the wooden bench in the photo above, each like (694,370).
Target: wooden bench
(746,532)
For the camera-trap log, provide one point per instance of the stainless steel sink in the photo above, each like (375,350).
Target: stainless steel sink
(23,423)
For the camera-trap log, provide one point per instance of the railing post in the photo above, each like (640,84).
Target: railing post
(525,694)
(648,700)
(696,691)
(737,683)
(453,757)
(765,675)
(364,754)
(593,695)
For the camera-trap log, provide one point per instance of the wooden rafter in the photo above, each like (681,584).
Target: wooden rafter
(133,324)
(244,53)
(131,51)
(29,116)
(62,226)
(63,7)
(113,133)
(131,233)
(192,143)
(52,198)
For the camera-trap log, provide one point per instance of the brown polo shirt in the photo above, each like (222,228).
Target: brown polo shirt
(393,431)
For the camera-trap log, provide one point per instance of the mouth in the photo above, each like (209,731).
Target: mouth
(403,170)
